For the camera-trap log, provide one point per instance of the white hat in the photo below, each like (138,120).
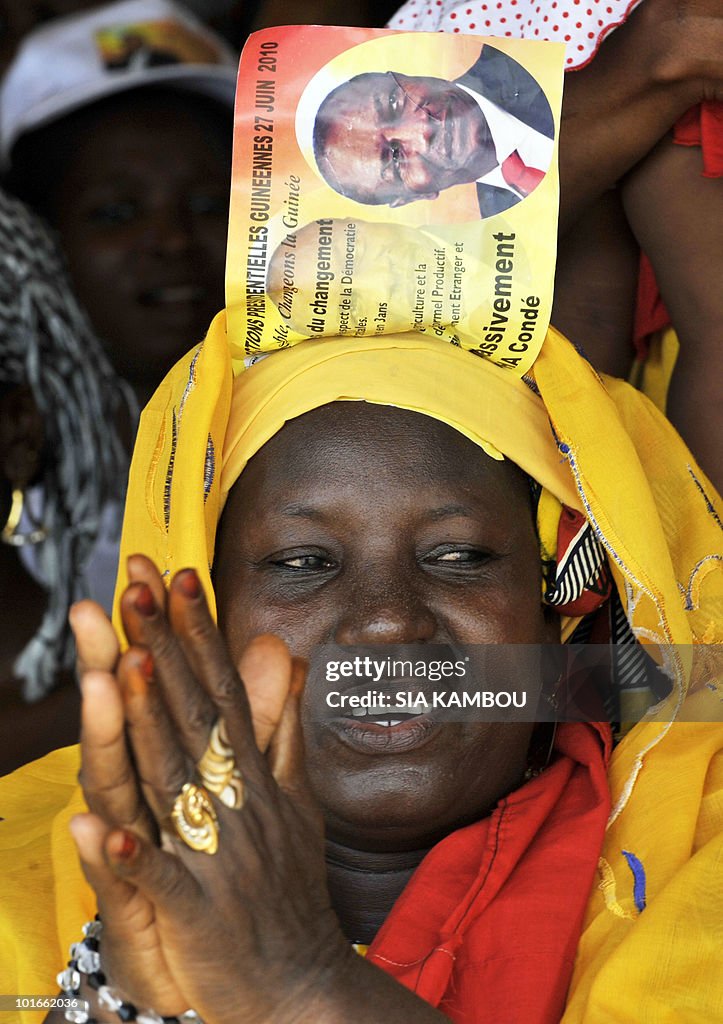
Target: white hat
(73,61)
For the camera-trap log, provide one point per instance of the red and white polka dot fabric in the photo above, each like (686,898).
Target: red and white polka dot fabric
(581,24)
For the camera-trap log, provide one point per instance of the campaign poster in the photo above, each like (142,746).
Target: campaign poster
(386,182)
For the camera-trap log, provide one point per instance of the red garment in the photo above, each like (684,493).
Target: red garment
(651,314)
(488,926)
(703,126)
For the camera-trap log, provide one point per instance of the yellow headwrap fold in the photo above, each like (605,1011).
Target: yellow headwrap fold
(194,442)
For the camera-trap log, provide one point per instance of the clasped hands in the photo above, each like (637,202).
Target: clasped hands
(241,935)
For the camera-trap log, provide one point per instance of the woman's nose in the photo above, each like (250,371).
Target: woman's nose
(168,230)
(384,611)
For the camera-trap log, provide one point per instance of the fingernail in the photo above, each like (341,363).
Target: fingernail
(299,668)
(122,846)
(148,665)
(144,601)
(189,583)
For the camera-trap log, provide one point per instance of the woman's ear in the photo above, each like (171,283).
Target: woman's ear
(22,436)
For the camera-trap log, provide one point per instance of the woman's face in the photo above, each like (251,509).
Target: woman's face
(361,524)
(142,213)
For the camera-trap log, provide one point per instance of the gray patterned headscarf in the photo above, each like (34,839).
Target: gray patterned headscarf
(47,343)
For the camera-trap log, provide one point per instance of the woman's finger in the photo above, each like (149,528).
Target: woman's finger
(95,639)
(266,671)
(285,756)
(191,711)
(115,896)
(203,645)
(266,681)
(142,569)
(286,749)
(161,765)
(160,876)
(107,776)
(206,652)
(132,952)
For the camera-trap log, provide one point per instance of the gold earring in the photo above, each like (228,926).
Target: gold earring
(10,534)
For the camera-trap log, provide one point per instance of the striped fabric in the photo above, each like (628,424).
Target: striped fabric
(579,581)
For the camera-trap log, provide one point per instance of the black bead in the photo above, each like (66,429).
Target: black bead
(127,1011)
(91,944)
(95,980)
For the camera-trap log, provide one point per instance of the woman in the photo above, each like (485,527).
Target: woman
(62,469)
(123,143)
(354,524)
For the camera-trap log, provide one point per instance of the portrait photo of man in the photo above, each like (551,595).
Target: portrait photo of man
(384,138)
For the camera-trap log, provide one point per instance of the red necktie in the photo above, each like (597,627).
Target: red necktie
(523,178)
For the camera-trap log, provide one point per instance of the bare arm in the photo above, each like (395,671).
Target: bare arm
(676,216)
(664,60)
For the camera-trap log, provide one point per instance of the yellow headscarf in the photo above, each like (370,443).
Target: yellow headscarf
(600,448)
(595,446)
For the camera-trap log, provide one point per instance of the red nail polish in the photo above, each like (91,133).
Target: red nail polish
(144,601)
(148,665)
(126,848)
(189,583)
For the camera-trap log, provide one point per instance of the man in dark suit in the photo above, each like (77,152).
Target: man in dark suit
(388,138)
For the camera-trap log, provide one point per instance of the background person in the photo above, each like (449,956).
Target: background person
(62,459)
(388,138)
(132,168)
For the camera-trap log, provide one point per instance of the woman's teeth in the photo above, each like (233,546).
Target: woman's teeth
(388,718)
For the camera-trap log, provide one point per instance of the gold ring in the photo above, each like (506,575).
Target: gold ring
(194,819)
(217,768)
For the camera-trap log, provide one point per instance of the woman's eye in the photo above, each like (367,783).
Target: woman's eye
(121,212)
(308,562)
(458,556)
